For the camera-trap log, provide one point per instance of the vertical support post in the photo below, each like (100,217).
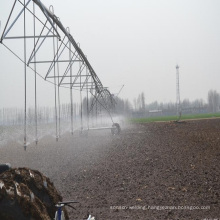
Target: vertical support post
(59,134)
(81,105)
(87,100)
(71,106)
(100,113)
(96,109)
(35,79)
(92,104)
(71,90)
(25,84)
(58,72)
(55,86)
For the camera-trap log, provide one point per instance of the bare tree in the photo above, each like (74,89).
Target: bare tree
(142,101)
(213,100)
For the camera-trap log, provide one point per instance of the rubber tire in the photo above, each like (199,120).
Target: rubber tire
(116,129)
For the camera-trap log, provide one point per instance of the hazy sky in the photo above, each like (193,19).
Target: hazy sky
(136,43)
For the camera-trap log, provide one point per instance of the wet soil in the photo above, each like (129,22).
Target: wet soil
(151,171)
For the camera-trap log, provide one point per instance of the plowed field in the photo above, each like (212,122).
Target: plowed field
(151,171)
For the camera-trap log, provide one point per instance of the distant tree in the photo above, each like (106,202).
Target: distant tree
(139,102)
(135,104)
(213,100)
(186,104)
(127,107)
(142,96)
(198,103)
(153,105)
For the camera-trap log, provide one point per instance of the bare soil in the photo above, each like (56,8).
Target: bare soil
(151,171)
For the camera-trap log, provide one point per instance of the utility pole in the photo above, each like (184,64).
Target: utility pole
(178,104)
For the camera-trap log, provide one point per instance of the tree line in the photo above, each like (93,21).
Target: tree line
(212,104)
(139,108)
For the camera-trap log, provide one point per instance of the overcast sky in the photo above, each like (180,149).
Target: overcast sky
(136,43)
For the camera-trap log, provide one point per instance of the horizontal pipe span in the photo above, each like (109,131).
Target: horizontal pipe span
(22,37)
(58,61)
(68,76)
(101,128)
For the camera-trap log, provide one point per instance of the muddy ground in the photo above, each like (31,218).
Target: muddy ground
(151,171)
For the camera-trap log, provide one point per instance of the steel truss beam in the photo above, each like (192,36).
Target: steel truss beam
(82,77)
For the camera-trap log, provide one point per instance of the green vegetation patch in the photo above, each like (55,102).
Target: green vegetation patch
(174,117)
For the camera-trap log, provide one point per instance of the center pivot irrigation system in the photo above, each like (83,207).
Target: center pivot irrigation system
(51,52)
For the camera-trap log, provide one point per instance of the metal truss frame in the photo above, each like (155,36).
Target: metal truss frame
(83,79)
